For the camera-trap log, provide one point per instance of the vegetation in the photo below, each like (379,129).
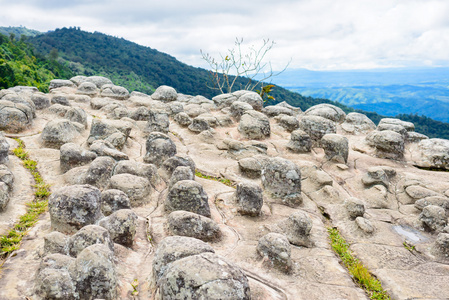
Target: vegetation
(358,271)
(225,181)
(11,241)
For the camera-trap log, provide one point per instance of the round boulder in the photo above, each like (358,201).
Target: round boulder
(316,127)
(113,200)
(122,226)
(336,147)
(300,142)
(159,147)
(328,111)
(87,236)
(188,195)
(357,123)
(276,248)
(249,197)
(254,125)
(59,132)
(135,187)
(189,224)
(165,93)
(387,143)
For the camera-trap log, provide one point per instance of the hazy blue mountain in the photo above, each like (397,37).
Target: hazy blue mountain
(18,31)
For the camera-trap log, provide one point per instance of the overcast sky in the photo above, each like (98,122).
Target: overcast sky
(315,34)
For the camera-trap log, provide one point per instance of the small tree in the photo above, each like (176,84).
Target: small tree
(236,63)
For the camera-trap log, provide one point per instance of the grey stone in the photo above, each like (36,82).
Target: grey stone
(391,121)
(87,88)
(289,123)
(283,179)
(336,147)
(387,143)
(140,114)
(238,109)
(170,164)
(114,92)
(357,123)
(115,132)
(58,83)
(56,242)
(433,200)
(300,142)
(59,132)
(181,173)
(98,103)
(418,192)
(393,127)
(7,177)
(433,153)
(183,119)
(415,137)
(100,171)
(113,200)
(76,114)
(224,100)
(59,110)
(105,148)
(354,207)
(442,243)
(253,99)
(188,195)
(297,229)
(4,149)
(87,236)
(250,167)
(40,100)
(157,121)
(194,110)
(165,93)
(99,81)
(276,248)
(14,117)
(199,124)
(193,225)
(254,125)
(122,226)
(378,175)
(159,147)
(4,196)
(55,284)
(433,218)
(72,155)
(77,80)
(274,110)
(60,99)
(249,197)
(73,207)
(365,225)
(135,187)
(316,127)
(328,111)
(148,171)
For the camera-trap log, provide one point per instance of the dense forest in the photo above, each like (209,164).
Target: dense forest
(67,52)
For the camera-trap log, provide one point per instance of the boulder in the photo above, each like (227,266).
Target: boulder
(14,117)
(415,137)
(114,92)
(251,167)
(328,111)
(115,132)
(98,103)
(254,125)
(40,100)
(204,276)
(100,171)
(165,93)
(183,119)
(105,148)
(276,249)
(148,171)
(157,121)
(135,187)
(296,228)
(4,196)
(56,242)
(433,218)
(253,99)
(72,155)
(300,142)
(199,124)
(113,200)
(289,123)
(238,109)
(99,81)
(408,126)
(59,132)
(188,195)
(365,225)
(354,207)
(170,165)
(433,153)
(56,284)
(73,207)
(378,175)
(58,83)
(60,99)
(357,123)
(316,127)
(336,147)
(393,127)
(283,179)
(433,200)
(141,113)
(193,225)
(59,110)
(4,149)
(87,88)
(194,110)
(224,100)
(76,114)
(275,110)
(387,144)
(181,173)
(122,226)
(249,197)
(87,236)
(77,80)
(159,147)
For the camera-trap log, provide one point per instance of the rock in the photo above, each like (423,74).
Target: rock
(100,172)
(254,125)
(193,225)
(165,93)
(275,110)
(253,99)
(72,155)
(59,110)
(59,132)
(378,175)
(415,137)
(113,200)
(357,123)
(76,114)
(316,127)
(122,226)
(157,121)
(355,207)
(286,105)
(433,218)
(276,248)
(169,165)
(393,127)
(99,81)
(199,124)
(40,100)
(140,114)
(418,192)
(336,147)
(87,88)
(60,99)
(87,236)
(7,177)
(408,126)
(56,242)
(300,142)
(135,187)
(283,179)
(173,248)
(114,92)
(4,196)
(183,119)
(249,197)
(188,195)
(148,171)
(296,228)
(238,109)
(77,80)
(175,108)
(98,103)
(224,100)
(224,120)
(289,123)
(442,243)
(328,111)
(14,117)
(4,149)
(388,144)
(250,167)
(204,276)
(73,207)
(433,153)
(365,225)
(181,173)
(115,132)
(433,200)
(159,147)
(95,273)
(194,110)
(58,83)
(105,148)
(56,284)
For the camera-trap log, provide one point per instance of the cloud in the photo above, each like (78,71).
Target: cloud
(319,34)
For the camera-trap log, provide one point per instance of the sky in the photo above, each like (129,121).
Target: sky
(312,34)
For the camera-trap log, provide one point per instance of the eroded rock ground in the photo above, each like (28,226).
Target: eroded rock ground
(393,214)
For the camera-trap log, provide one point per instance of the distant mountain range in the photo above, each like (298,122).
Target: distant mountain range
(422,91)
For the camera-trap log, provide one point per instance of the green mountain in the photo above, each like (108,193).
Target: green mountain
(18,31)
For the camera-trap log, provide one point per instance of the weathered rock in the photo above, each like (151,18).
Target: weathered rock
(58,83)
(393,127)
(390,121)
(135,187)
(87,88)
(169,165)
(355,207)
(199,124)
(14,117)
(77,80)
(300,142)
(254,125)
(276,248)
(194,110)
(56,242)
(238,109)
(59,132)
(336,147)
(378,175)
(297,229)
(122,226)
(283,179)
(157,121)
(113,200)
(140,114)
(289,123)
(387,143)
(415,137)
(181,173)
(4,196)
(433,218)
(251,167)
(73,207)
(115,132)
(87,236)
(56,284)
(204,276)
(119,113)
(40,100)
(249,197)
(253,99)
(99,81)
(224,120)
(357,123)
(105,148)
(193,225)
(316,127)
(59,110)
(224,100)
(173,248)
(433,153)
(76,114)
(442,243)
(365,225)
(95,273)
(275,110)
(165,93)
(98,103)
(159,147)
(148,171)
(100,172)
(114,92)
(418,192)
(328,111)
(183,119)
(175,108)
(188,195)
(72,155)
(433,200)
(60,99)
(4,149)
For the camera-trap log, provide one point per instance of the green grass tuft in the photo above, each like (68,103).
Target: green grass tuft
(225,181)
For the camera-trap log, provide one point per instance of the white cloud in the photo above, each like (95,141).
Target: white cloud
(319,34)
